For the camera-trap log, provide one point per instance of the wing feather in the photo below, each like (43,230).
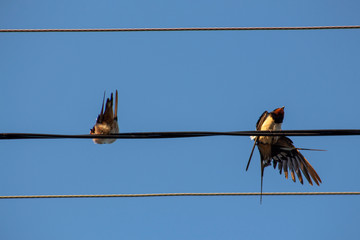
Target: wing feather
(292,160)
(275,163)
(304,170)
(297,169)
(100,117)
(261,120)
(291,168)
(285,168)
(116,104)
(280,167)
(109,114)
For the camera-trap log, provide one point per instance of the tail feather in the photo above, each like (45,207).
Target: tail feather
(252,151)
(262,178)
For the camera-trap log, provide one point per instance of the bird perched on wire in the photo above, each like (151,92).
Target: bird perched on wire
(106,122)
(280,150)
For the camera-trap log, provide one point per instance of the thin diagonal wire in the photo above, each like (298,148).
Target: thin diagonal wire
(181,195)
(183,29)
(143,135)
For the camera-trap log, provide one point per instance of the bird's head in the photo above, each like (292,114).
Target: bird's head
(278,115)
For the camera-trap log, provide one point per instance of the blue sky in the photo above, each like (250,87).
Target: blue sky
(176,81)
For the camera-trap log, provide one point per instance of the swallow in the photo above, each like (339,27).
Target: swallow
(267,122)
(281,151)
(107,121)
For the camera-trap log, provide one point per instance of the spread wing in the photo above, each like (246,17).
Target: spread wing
(290,159)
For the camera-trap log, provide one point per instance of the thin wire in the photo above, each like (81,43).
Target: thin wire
(182,29)
(180,195)
(142,135)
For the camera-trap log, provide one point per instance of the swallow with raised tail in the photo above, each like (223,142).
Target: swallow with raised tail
(107,121)
(280,150)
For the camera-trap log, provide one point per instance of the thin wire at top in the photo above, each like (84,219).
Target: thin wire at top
(142,135)
(183,29)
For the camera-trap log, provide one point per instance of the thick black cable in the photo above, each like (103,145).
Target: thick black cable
(152,135)
(182,29)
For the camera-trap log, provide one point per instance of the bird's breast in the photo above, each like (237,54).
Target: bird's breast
(269,125)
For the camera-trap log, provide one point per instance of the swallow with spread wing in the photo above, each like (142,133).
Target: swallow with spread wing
(280,150)
(106,122)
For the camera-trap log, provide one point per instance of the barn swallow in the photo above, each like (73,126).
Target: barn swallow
(280,151)
(267,122)
(106,122)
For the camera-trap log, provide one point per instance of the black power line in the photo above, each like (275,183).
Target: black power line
(143,135)
(182,29)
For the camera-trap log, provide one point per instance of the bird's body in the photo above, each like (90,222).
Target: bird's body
(106,122)
(267,122)
(270,122)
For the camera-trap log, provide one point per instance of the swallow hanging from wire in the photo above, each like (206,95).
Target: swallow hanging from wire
(107,121)
(267,122)
(280,150)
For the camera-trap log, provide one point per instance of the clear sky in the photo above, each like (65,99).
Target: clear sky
(176,81)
